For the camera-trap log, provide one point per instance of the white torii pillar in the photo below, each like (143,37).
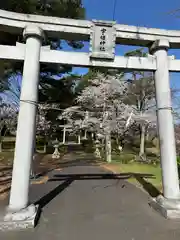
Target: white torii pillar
(19,209)
(169,203)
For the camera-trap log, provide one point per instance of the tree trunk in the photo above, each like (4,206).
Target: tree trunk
(33,162)
(45,144)
(147,136)
(142,141)
(45,148)
(1,140)
(117,140)
(108,148)
(85,134)
(64,135)
(0,144)
(79,139)
(93,136)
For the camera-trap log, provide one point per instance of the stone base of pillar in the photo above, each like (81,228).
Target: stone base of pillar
(168,208)
(25,218)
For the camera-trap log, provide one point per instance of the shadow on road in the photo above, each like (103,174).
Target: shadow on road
(42,202)
(69,178)
(141,178)
(147,186)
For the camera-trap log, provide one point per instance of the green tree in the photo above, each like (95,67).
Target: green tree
(58,91)
(62,8)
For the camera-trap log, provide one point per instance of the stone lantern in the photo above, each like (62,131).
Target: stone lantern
(56,153)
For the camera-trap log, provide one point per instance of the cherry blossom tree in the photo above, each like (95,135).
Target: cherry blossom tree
(47,123)
(141,96)
(8,121)
(74,118)
(43,126)
(114,105)
(104,99)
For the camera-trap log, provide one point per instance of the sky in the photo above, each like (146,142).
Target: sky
(154,14)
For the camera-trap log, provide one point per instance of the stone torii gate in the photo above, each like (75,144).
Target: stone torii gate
(103,36)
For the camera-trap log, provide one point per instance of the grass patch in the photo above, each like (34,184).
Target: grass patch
(144,169)
(6,158)
(9,139)
(123,157)
(151,185)
(127,162)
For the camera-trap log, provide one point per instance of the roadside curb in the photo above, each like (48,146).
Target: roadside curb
(40,181)
(108,168)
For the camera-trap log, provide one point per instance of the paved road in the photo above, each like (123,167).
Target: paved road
(87,205)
